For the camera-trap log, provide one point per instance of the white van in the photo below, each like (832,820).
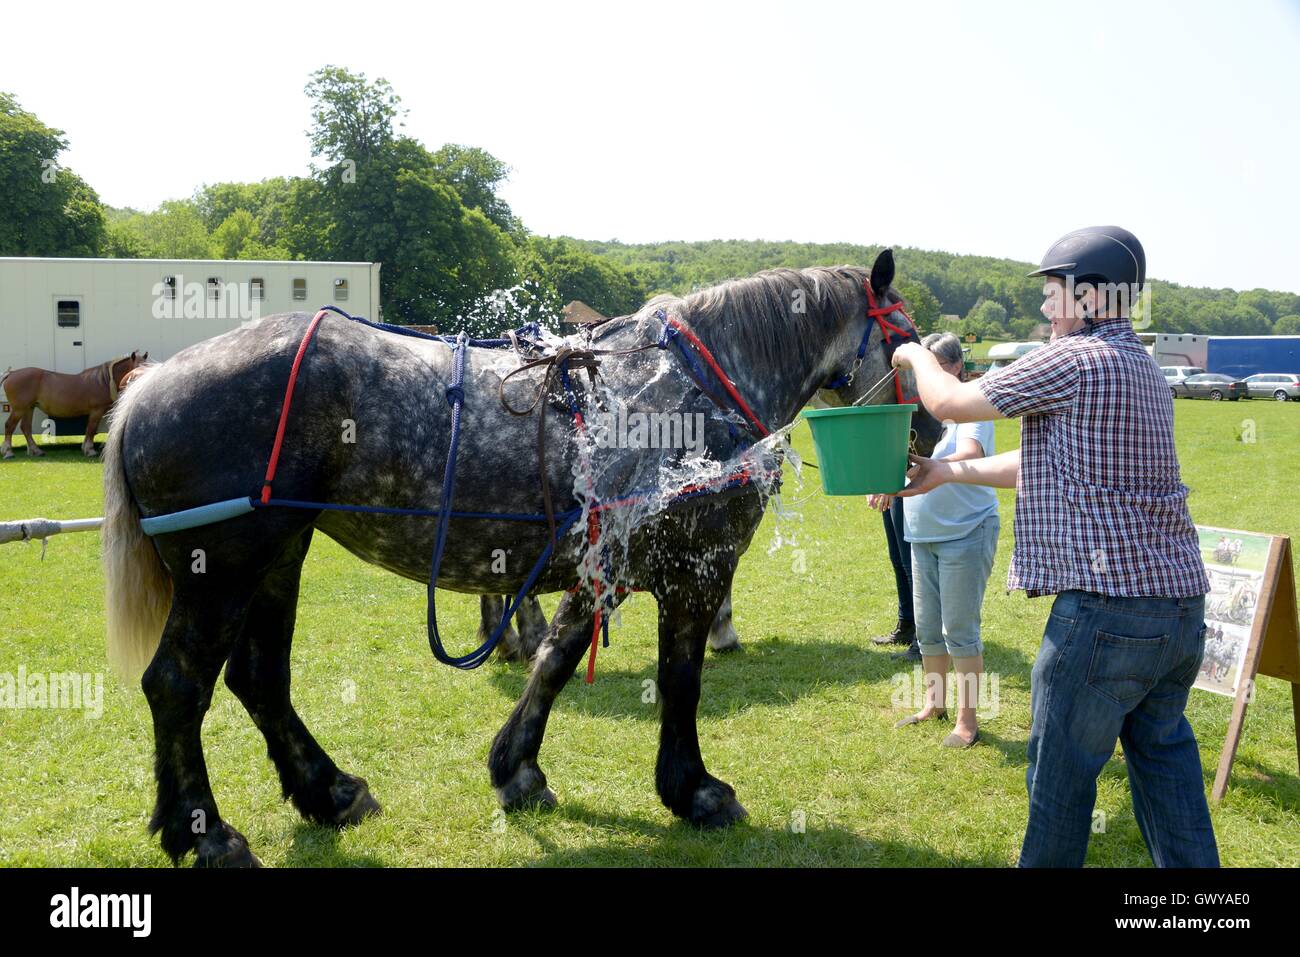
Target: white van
(1005,353)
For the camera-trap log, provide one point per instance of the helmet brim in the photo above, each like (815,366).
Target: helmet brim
(1058,269)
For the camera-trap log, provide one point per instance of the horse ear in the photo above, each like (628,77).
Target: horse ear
(882,273)
(145,357)
(133,355)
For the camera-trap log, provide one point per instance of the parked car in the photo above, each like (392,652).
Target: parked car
(1176,375)
(1274,385)
(1211,385)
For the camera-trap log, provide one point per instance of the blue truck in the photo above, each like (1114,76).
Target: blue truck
(1237,356)
(1240,356)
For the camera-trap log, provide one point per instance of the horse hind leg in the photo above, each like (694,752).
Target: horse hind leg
(11,423)
(196,640)
(32,448)
(258,674)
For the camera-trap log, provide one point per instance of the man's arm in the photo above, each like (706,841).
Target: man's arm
(998,471)
(944,396)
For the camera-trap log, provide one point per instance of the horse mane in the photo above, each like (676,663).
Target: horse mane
(761,310)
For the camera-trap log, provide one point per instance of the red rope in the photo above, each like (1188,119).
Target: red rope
(284,409)
(886,327)
(722,376)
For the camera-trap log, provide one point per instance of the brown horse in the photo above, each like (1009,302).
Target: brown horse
(61,395)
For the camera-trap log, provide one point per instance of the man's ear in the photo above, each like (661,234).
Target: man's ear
(882,273)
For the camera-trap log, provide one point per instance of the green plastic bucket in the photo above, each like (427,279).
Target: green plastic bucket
(861,449)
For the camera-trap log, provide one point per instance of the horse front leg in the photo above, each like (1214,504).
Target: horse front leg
(512,762)
(490,610)
(722,633)
(92,425)
(687,608)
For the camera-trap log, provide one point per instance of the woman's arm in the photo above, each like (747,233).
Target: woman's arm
(966,449)
(998,471)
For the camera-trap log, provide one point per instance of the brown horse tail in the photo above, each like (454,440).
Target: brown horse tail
(138,590)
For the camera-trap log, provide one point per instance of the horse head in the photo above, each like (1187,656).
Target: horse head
(127,368)
(865,376)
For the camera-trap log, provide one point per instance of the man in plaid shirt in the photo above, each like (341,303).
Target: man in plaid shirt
(1101,522)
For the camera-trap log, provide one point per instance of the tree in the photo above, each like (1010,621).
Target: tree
(239,237)
(920,304)
(987,318)
(174,231)
(1287,326)
(267,201)
(476,175)
(352,117)
(45,210)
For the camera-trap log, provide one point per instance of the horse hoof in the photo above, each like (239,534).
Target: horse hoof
(725,642)
(226,849)
(527,789)
(36,453)
(715,806)
(363,805)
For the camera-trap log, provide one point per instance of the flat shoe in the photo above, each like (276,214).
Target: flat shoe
(955,740)
(913,719)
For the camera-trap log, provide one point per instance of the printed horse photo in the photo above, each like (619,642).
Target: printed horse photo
(782,336)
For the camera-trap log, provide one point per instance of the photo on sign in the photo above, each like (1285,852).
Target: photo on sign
(1234,561)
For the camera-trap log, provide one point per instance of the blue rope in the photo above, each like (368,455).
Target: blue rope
(528,329)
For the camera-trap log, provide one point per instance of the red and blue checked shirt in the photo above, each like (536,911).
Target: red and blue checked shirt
(1100,505)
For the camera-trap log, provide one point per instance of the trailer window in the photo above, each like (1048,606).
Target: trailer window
(214,287)
(69,313)
(169,287)
(340,290)
(258,290)
(300,289)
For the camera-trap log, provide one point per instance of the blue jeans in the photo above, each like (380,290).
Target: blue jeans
(1117,668)
(900,556)
(948,581)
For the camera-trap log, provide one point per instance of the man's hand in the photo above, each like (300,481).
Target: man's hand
(904,355)
(923,475)
(880,503)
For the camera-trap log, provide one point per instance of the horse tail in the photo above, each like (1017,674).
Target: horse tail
(138,590)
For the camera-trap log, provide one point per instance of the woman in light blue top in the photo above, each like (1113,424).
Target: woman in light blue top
(954,537)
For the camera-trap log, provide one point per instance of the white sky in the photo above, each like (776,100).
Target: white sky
(987,128)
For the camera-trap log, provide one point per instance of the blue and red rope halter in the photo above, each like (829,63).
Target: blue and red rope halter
(876,315)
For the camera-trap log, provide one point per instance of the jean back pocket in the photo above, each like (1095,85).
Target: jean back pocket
(1124,668)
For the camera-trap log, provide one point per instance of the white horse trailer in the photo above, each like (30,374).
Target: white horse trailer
(67,315)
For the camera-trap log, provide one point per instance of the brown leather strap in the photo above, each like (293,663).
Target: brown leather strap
(581,358)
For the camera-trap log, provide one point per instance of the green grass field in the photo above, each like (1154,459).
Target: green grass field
(800,722)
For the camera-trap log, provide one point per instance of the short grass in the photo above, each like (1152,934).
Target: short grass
(800,722)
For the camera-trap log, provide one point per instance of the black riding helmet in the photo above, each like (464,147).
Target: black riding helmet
(1096,254)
